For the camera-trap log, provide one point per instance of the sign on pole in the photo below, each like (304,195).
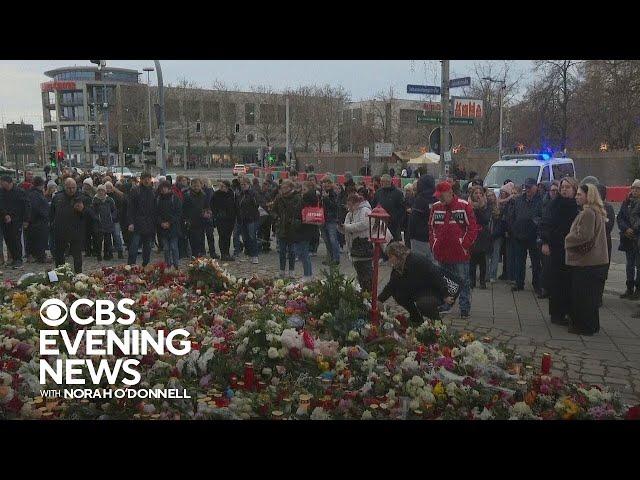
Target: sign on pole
(424,89)
(431,118)
(383,149)
(447,156)
(460,121)
(468,108)
(434,141)
(460,82)
(366,154)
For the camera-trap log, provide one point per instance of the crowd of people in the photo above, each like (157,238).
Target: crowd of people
(564,228)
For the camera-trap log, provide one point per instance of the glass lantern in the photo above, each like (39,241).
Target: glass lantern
(378,221)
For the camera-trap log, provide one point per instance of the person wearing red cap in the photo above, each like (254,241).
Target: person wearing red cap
(452,231)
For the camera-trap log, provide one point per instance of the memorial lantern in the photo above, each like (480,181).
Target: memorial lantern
(378,221)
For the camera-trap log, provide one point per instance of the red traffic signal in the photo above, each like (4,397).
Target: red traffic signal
(60,155)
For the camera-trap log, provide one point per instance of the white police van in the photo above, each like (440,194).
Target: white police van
(517,168)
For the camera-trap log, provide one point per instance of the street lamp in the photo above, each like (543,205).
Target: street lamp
(149,70)
(502,88)
(378,219)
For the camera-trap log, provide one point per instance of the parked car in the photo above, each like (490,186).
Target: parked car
(32,166)
(239,169)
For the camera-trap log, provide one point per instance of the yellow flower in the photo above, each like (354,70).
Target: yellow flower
(438,389)
(20,299)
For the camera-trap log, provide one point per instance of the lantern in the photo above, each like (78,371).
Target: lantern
(604,147)
(378,219)
(520,147)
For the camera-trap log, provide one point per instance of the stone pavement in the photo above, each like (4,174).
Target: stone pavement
(516,319)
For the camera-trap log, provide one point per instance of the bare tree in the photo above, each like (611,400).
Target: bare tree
(270,117)
(559,79)
(185,97)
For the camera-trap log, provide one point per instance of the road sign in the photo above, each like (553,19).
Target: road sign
(460,121)
(383,149)
(447,157)
(423,89)
(460,82)
(366,154)
(434,141)
(430,118)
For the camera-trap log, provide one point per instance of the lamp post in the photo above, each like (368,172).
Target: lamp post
(503,86)
(378,219)
(149,70)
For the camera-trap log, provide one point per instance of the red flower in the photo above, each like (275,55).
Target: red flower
(633,413)
(15,405)
(294,353)
(308,340)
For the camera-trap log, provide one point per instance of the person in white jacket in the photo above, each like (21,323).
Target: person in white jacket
(356,227)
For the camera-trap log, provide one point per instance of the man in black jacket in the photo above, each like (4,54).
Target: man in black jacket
(169,217)
(629,242)
(142,219)
(197,212)
(329,201)
(415,283)
(15,211)
(67,216)
(223,205)
(37,232)
(419,217)
(392,200)
(525,218)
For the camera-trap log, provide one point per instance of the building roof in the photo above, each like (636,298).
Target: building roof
(56,71)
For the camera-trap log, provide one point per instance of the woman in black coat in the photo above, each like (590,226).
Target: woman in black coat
(479,250)
(223,205)
(415,283)
(554,227)
(37,233)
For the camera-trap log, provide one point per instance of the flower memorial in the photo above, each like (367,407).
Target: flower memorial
(281,350)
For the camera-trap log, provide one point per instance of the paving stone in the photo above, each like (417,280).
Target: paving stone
(592,379)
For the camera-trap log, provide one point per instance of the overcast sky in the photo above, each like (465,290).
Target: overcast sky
(20,80)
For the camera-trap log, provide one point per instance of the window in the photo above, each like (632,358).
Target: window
(516,173)
(211,111)
(192,110)
(54,115)
(282,114)
(250,137)
(250,113)
(267,113)
(73,133)
(408,117)
(230,112)
(561,170)
(72,98)
(545,174)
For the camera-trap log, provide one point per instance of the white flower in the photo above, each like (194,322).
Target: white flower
(485,415)
(520,410)
(353,336)
(319,414)
(273,353)
(366,415)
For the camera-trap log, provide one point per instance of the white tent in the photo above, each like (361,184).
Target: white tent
(425,159)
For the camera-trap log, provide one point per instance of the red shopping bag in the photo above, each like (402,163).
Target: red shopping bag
(313,215)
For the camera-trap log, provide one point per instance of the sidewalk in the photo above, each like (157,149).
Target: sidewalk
(516,319)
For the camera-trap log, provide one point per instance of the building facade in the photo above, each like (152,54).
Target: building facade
(86,109)
(77,104)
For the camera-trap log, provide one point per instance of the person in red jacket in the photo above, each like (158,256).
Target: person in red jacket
(452,231)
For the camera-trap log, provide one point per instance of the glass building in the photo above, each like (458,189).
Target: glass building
(77,103)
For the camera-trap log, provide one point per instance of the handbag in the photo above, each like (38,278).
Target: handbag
(361,248)
(313,215)
(454,283)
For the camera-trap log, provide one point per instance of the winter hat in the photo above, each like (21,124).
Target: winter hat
(442,187)
(52,184)
(635,184)
(590,180)
(507,187)
(88,181)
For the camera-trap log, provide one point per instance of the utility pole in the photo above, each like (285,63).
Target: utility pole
(503,86)
(161,155)
(288,151)
(444,131)
(149,70)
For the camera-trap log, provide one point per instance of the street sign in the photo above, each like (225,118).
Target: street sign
(366,154)
(460,82)
(460,121)
(434,141)
(423,89)
(383,149)
(430,118)
(447,157)
(467,107)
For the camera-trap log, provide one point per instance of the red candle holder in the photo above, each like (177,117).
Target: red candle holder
(234,381)
(249,375)
(546,363)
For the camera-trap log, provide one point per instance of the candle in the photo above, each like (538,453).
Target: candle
(240,385)
(234,381)
(546,363)
(249,375)
(277,414)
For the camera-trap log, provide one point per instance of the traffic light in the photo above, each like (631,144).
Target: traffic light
(52,160)
(60,155)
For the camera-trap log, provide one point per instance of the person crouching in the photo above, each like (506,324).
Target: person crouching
(416,284)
